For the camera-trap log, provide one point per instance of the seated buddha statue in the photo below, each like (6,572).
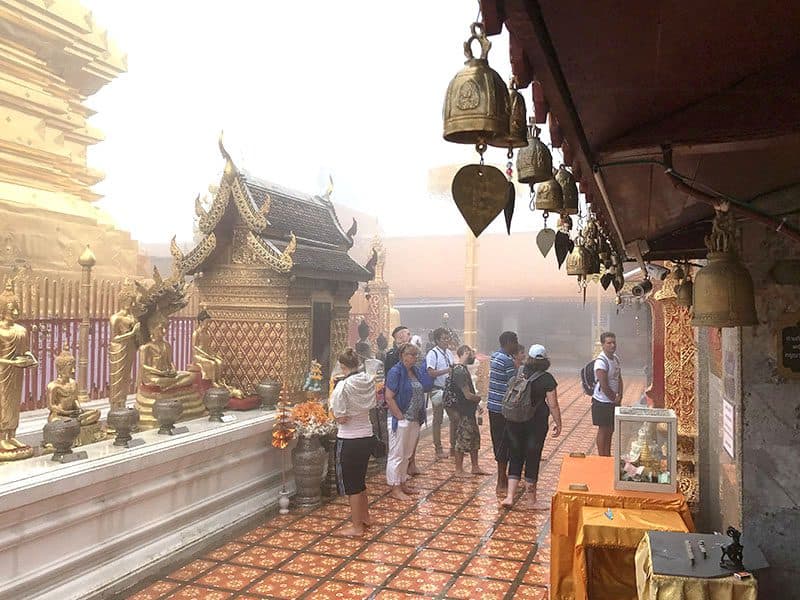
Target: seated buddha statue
(155,359)
(210,364)
(62,393)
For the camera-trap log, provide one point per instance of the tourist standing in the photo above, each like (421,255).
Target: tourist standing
(526,438)
(467,434)
(401,335)
(351,401)
(520,356)
(607,391)
(501,370)
(406,386)
(439,361)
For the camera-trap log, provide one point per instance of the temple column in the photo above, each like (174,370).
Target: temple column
(655,392)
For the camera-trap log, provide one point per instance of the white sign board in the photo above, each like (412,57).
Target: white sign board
(728,426)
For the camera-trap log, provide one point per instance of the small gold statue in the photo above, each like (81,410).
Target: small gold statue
(122,347)
(210,364)
(14,358)
(62,393)
(155,359)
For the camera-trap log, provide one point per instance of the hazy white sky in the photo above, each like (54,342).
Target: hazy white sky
(302,89)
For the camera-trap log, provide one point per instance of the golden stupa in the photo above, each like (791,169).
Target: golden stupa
(52,58)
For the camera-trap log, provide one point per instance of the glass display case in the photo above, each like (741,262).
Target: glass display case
(645,451)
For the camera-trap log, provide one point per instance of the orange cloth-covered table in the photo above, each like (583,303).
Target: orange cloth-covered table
(613,573)
(597,472)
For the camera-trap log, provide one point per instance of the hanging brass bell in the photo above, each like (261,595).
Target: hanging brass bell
(569,189)
(683,293)
(476,106)
(549,196)
(578,261)
(723,293)
(534,161)
(517,118)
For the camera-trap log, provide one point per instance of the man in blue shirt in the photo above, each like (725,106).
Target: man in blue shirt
(501,370)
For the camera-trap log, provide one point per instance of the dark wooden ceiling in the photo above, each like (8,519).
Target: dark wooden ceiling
(717,82)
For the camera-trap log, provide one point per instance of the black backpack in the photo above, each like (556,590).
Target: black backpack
(518,405)
(450,395)
(588,380)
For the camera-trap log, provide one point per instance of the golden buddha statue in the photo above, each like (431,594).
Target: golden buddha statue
(210,364)
(14,358)
(155,359)
(122,347)
(62,393)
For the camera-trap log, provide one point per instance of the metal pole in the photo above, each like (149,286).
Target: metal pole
(470,301)
(86,261)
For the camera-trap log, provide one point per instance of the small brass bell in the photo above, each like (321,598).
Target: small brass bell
(549,196)
(683,293)
(517,129)
(723,293)
(578,261)
(534,161)
(476,106)
(569,189)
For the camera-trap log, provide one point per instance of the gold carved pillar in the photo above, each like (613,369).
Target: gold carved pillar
(86,261)
(679,385)
(378,296)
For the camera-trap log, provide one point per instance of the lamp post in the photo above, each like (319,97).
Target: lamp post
(86,261)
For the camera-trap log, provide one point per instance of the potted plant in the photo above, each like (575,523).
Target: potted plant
(311,422)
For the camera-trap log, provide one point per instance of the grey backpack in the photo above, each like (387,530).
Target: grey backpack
(517,404)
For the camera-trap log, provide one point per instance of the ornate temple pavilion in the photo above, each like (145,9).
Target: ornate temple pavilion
(273,270)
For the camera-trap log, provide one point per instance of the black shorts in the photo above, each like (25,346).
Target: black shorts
(603,414)
(497,427)
(352,458)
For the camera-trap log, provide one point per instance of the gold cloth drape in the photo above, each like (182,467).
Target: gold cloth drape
(597,472)
(672,587)
(614,579)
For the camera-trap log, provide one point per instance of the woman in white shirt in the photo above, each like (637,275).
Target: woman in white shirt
(351,401)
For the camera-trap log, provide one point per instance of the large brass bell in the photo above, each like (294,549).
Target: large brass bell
(476,107)
(517,128)
(549,196)
(534,161)
(723,293)
(569,189)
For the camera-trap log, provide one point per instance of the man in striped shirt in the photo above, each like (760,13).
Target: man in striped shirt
(501,370)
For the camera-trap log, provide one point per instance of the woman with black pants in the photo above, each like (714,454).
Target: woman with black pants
(351,401)
(526,439)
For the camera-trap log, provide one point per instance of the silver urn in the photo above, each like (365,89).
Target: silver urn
(167,412)
(216,399)
(61,434)
(268,391)
(123,421)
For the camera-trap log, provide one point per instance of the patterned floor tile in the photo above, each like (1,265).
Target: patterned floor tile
(337,546)
(531,593)
(512,532)
(438,560)
(262,557)
(466,527)
(194,592)
(370,573)
(454,542)
(315,565)
(471,588)
(384,517)
(230,577)
(395,595)
(431,523)
(537,574)
(335,511)
(437,509)
(314,524)
(292,540)
(386,553)
(506,549)
(405,536)
(482,566)
(428,583)
(336,590)
(155,591)
(284,585)
(192,570)
(225,552)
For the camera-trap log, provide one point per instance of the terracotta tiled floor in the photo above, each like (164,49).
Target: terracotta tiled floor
(453,542)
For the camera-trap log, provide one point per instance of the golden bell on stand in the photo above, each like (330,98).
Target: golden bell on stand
(476,106)
(723,293)
(569,190)
(549,196)
(517,116)
(534,161)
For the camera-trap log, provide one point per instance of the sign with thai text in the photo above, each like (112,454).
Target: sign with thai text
(789,349)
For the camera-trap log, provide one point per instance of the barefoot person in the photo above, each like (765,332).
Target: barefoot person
(607,392)
(467,435)
(501,369)
(406,386)
(351,401)
(526,439)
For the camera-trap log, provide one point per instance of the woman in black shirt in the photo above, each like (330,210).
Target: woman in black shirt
(526,439)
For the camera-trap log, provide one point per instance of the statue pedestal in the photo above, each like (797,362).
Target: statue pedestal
(187,395)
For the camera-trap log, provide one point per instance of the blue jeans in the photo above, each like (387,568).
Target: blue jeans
(525,443)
